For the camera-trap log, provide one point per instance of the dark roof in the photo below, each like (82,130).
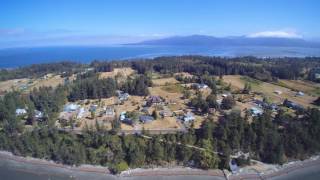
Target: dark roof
(146,118)
(154,99)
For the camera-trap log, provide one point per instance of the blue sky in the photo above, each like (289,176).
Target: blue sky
(57,22)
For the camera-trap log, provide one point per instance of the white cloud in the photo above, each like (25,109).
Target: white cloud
(277,34)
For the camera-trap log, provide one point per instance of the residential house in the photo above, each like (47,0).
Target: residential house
(256,111)
(128,121)
(233,166)
(146,118)
(80,113)
(110,111)
(154,100)
(260,103)
(20,112)
(122,116)
(166,113)
(292,105)
(273,107)
(38,114)
(188,117)
(122,96)
(200,86)
(145,110)
(71,107)
(93,108)
(226,94)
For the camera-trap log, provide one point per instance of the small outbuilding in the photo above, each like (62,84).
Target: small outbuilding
(278,92)
(300,93)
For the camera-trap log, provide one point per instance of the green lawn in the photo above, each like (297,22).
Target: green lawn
(173,88)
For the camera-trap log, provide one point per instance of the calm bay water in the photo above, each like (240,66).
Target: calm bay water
(16,170)
(15,57)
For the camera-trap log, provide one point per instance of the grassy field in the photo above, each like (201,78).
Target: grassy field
(304,86)
(17,84)
(269,89)
(52,80)
(164,81)
(124,72)
(12,84)
(173,88)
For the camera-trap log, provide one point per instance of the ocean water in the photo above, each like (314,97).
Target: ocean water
(15,57)
(16,170)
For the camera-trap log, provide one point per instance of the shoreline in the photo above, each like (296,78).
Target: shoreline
(277,171)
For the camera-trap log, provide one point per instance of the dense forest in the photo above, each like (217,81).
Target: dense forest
(269,139)
(265,69)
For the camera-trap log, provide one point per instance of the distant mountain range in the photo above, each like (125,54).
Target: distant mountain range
(203,40)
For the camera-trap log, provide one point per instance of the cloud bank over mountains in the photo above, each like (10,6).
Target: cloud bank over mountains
(275,34)
(61,37)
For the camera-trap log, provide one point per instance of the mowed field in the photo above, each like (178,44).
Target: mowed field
(12,84)
(16,84)
(125,72)
(164,81)
(305,86)
(268,89)
(52,81)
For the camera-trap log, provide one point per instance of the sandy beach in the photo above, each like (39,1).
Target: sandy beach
(11,165)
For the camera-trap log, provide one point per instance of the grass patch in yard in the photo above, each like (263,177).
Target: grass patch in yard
(173,88)
(316,91)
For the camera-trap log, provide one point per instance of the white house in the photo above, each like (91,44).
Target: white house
(201,86)
(71,107)
(188,117)
(122,96)
(123,116)
(38,114)
(256,111)
(20,112)
(80,113)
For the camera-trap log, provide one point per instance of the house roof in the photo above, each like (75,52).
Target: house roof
(21,111)
(145,118)
(71,107)
(154,99)
(256,111)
